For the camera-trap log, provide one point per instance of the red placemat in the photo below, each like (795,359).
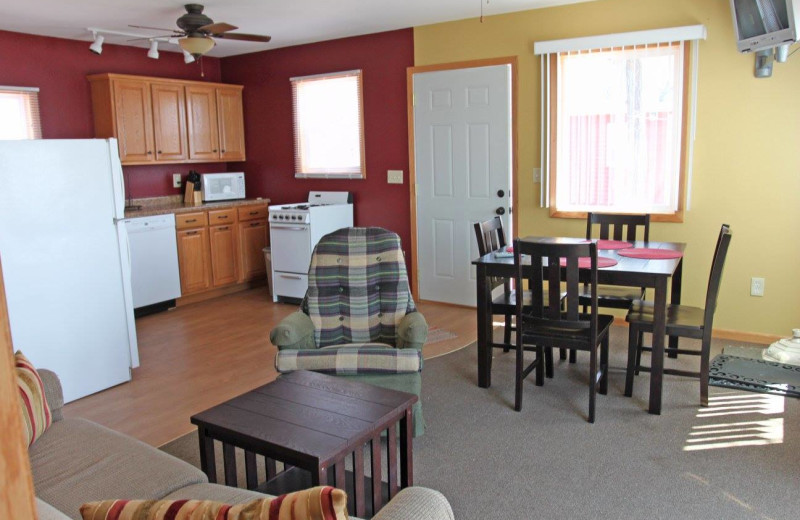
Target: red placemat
(650,254)
(585,262)
(613,244)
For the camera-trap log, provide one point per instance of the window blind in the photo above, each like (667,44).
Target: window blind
(19,113)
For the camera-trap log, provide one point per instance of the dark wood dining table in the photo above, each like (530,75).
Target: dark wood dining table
(634,272)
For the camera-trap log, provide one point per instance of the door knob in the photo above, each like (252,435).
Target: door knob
(500,211)
(501,193)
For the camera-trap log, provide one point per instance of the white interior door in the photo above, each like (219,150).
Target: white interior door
(462,146)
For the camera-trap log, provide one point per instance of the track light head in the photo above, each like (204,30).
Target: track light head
(187,57)
(153,52)
(97,46)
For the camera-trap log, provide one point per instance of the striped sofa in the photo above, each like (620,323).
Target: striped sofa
(358,319)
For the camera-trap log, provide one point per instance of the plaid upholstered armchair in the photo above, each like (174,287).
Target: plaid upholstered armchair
(358,319)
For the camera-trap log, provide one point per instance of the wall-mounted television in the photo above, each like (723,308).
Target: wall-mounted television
(764,24)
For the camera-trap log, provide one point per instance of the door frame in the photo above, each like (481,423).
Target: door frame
(412,174)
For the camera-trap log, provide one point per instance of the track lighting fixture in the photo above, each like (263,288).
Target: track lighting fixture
(97,46)
(153,52)
(187,57)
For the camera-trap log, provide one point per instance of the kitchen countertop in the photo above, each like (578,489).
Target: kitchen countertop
(174,204)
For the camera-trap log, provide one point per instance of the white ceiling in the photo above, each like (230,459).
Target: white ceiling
(289,22)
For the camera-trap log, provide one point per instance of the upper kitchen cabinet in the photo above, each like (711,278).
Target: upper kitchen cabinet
(216,124)
(159,120)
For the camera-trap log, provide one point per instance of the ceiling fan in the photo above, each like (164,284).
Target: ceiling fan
(198,31)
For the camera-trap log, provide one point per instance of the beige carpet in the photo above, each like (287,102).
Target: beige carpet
(737,459)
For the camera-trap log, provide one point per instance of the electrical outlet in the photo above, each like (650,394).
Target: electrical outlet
(537,175)
(176,180)
(394,176)
(756,287)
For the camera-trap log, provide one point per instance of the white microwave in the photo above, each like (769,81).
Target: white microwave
(222,186)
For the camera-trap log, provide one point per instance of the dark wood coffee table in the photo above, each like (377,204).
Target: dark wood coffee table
(313,422)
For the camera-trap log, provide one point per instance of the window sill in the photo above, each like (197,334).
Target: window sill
(676,217)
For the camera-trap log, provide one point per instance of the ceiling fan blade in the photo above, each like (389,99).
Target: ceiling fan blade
(217,28)
(244,37)
(154,28)
(155,37)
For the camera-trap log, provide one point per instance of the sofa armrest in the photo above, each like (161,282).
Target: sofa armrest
(416,503)
(295,331)
(53,393)
(412,331)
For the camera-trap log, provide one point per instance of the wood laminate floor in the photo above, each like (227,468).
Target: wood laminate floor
(199,355)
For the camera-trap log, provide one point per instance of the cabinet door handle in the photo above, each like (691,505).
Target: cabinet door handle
(254,224)
(223,151)
(254,213)
(159,151)
(223,228)
(191,232)
(149,152)
(191,220)
(222,217)
(215,151)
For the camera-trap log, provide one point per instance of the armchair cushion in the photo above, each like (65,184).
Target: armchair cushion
(351,359)
(357,287)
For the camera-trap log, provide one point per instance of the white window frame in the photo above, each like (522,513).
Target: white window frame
(27,118)
(310,141)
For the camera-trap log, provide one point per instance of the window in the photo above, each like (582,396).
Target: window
(618,115)
(19,113)
(328,125)
(618,129)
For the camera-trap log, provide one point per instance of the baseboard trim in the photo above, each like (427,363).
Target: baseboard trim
(733,335)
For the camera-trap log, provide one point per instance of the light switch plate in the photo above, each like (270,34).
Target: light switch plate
(176,180)
(394,176)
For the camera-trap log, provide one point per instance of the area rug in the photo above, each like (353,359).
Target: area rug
(736,459)
(435,335)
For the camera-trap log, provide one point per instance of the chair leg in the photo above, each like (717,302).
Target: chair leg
(704,355)
(633,352)
(572,356)
(541,354)
(562,354)
(639,345)
(518,378)
(604,366)
(548,363)
(592,382)
(507,334)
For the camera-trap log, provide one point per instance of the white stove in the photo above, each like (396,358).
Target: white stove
(295,230)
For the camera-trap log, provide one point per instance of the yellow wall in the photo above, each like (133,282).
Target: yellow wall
(747,150)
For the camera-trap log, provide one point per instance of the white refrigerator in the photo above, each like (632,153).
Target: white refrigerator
(65,260)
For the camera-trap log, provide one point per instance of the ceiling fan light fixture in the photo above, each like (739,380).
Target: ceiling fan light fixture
(196,45)
(153,52)
(187,58)
(97,46)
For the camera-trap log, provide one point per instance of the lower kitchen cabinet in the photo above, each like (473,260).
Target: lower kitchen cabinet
(194,260)
(252,241)
(224,255)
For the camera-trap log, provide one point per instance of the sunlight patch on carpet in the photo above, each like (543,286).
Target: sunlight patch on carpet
(435,335)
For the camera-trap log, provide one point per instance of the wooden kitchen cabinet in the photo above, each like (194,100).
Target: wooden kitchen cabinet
(224,246)
(253,232)
(167,121)
(133,120)
(194,260)
(230,117)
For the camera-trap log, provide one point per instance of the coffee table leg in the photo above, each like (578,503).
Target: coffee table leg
(406,451)
(207,463)
(229,461)
(391,449)
(377,488)
(250,469)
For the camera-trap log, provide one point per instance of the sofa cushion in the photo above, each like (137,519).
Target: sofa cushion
(352,359)
(36,416)
(318,503)
(78,461)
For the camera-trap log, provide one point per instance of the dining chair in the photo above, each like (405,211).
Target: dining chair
(682,321)
(490,237)
(546,324)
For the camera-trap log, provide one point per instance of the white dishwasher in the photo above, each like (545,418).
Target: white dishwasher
(155,279)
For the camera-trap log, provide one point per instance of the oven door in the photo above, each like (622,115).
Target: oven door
(291,247)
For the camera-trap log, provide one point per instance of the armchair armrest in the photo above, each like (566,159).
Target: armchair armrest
(295,331)
(416,503)
(412,331)
(52,392)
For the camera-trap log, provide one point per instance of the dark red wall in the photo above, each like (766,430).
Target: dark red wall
(59,68)
(269,169)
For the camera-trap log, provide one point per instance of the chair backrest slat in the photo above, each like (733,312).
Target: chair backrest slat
(490,235)
(715,277)
(615,226)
